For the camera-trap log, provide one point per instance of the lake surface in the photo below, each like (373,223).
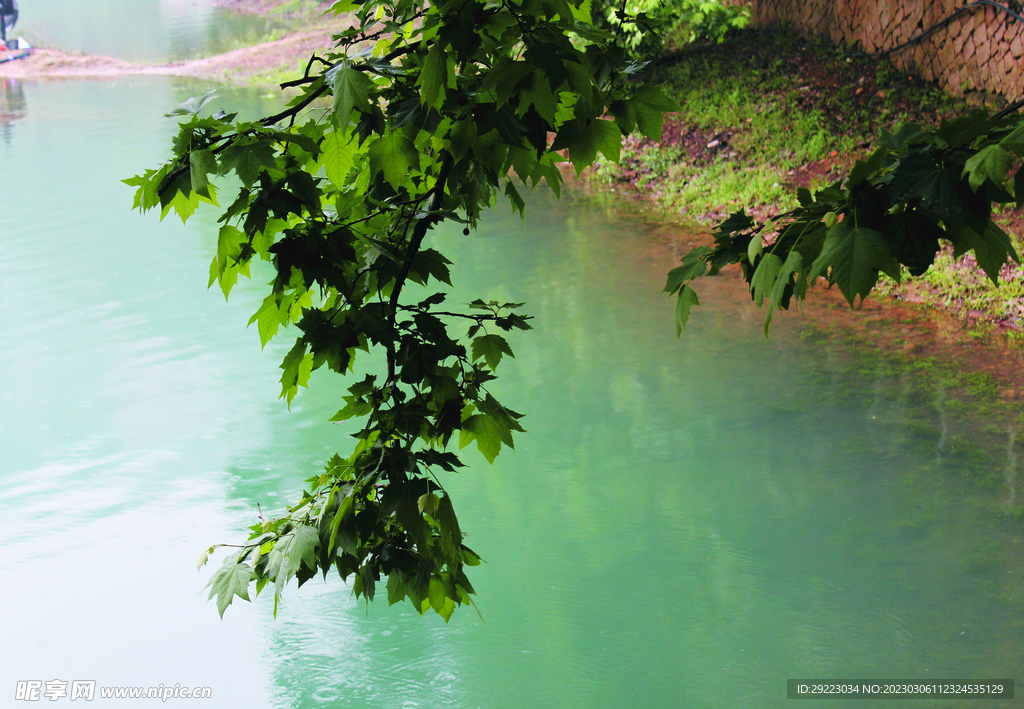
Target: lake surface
(688,523)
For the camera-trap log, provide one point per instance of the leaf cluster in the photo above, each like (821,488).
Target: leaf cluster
(420,114)
(692,19)
(890,215)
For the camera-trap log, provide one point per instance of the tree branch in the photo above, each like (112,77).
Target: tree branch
(418,235)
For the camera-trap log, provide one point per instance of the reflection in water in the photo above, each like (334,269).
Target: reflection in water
(1011,468)
(940,407)
(12,107)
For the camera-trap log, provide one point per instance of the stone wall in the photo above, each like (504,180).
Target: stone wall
(980,52)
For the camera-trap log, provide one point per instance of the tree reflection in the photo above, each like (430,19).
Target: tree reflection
(12,106)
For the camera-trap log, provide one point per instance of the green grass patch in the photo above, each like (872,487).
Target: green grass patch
(786,113)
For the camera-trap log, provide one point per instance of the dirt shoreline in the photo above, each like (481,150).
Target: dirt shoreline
(261,7)
(244,65)
(259,64)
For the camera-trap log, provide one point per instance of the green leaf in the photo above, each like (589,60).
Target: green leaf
(585,143)
(990,163)
(342,7)
(793,266)
(396,588)
(963,130)
(491,348)
(436,594)
(227,264)
(190,108)
(447,610)
(147,195)
(686,299)
(395,155)
(462,137)
(694,266)
(297,366)
(992,249)
(765,275)
(1015,148)
(267,319)
(539,95)
(178,195)
(430,262)
(201,164)
(292,550)
(427,503)
(354,409)
(1014,138)
(451,534)
(648,106)
(232,579)
(908,133)
(434,76)
(581,11)
(338,150)
(340,527)
(863,169)
(1018,186)
(516,199)
(754,248)
(469,557)
(369,582)
(429,119)
(855,255)
(351,90)
(248,160)
(488,432)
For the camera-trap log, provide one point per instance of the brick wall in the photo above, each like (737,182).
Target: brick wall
(978,53)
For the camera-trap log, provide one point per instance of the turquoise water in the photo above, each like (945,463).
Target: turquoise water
(688,523)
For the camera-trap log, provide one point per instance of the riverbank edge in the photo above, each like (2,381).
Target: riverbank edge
(264,64)
(665,175)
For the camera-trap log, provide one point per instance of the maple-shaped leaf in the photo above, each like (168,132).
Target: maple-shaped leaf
(193,106)
(488,432)
(990,163)
(434,76)
(291,551)
(585,142)
(232,579)
(247,160)
(491,348)
(855,255)
(351,90)
(686,299)
(395,155)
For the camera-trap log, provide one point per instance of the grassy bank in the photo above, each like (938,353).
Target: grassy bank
(766,113)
